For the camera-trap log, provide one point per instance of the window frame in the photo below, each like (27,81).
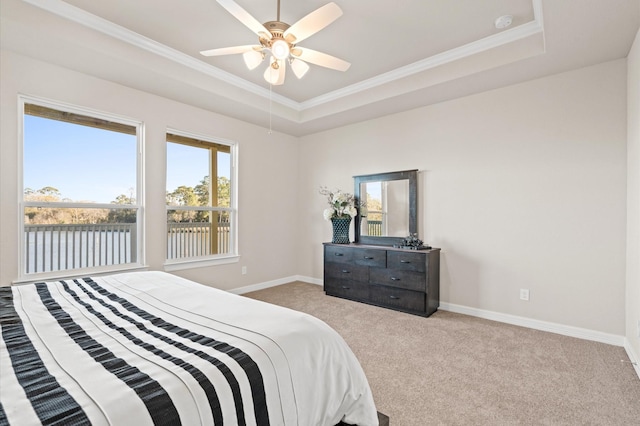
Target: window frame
(214,259)
(23,276)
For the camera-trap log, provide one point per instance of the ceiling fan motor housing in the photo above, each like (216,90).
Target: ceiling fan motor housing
(277,29)
(279,46)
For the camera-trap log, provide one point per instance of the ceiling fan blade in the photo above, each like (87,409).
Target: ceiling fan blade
(244,17)
(229,50)
(321,59)
(313,22)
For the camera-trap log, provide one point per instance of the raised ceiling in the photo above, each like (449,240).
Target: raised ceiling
(404,54)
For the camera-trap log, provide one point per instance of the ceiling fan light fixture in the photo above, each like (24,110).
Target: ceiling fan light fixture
(275,72)
(299,68)
(280,49)
(252,58)
(270,75)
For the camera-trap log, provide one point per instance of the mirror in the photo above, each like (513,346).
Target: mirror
(388,211)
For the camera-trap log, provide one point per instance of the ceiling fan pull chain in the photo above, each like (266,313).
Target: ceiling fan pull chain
(270,103)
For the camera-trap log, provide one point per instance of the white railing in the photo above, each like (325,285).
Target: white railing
(374,228)
(192,239)
(63,247)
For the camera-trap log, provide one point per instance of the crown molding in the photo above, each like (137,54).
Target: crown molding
(82,17)
(75,14)
(509,36)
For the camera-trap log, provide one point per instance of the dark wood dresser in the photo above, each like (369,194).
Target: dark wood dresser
(395,278)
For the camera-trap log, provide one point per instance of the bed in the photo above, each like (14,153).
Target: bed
(148,348)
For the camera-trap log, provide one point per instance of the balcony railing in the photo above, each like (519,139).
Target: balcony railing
(192,239)
(374,228)
(63,247)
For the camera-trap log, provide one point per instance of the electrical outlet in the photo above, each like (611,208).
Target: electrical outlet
(244,270)
(638,328)
(524,294)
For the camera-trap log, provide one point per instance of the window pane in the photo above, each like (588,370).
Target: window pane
(75,160)
(187,175)
(81,163)
(198,176)
(58,239)
(208,233)
(224,180)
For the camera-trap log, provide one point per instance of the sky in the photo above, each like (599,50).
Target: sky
(89,164)
(374,190)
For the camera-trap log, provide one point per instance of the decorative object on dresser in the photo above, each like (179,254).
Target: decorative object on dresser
(412,242)
(340,227)
(342,208)
(395,278)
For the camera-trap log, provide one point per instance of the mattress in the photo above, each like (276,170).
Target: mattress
(148,348)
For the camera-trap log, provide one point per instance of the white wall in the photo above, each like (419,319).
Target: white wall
(633,200)
(521,187)
(267,218)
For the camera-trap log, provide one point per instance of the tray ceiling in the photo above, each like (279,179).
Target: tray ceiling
(404,54)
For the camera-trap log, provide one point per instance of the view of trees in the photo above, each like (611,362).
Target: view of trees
(53,215)
(181,196)
(198,196)
(374,208)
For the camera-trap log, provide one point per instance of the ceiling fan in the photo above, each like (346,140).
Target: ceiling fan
(280,41)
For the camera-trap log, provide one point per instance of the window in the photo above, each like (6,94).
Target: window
(201,213)
(80,185)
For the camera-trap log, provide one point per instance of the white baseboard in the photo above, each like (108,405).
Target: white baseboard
(316,281)
(566,330)
(268,284)
(634,357)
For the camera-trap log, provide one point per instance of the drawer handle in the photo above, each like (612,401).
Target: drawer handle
(395,279)
(344,271)
(346,288)
(404,261)
(394,297)
(337,254)
(368,258)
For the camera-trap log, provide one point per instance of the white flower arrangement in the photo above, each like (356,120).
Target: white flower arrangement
(342,204)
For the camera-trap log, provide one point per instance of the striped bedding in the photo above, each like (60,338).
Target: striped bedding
(151,348)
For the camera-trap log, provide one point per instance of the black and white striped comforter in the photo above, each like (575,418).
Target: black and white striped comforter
(152,348)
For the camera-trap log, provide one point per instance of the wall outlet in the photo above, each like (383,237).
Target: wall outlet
(524,294)
(244,270)
(638,329)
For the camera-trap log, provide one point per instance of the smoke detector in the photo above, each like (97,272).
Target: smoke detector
(503,22)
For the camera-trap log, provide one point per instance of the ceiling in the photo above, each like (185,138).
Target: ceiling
(404,54)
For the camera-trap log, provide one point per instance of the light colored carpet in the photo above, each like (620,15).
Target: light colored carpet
(452,369)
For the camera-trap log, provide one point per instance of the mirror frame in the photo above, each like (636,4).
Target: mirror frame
(412,177)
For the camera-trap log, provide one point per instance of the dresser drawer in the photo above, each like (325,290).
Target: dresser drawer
(338,254)
(397,298)
(398,278)
(370,257)
(407,261)
(346,271)
(347,289)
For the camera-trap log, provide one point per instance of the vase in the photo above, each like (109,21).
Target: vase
(340,229)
